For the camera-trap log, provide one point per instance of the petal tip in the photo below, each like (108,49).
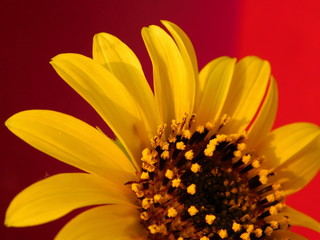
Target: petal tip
(9,123)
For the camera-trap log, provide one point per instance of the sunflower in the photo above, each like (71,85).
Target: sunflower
(195,160)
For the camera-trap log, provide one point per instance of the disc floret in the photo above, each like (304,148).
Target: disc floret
(200,183)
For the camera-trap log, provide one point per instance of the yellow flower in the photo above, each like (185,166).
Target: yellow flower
(195,160)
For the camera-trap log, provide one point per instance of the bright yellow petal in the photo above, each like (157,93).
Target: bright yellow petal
(185,46)
(297,218)
(106,222)
(58,195)
(283,235)
(109,98)
(119,59)
(174,88)
(284,142)
(266,116)
(214,83)
(248,87)
(298,171)
(72,141)
(293,152)
(302,170)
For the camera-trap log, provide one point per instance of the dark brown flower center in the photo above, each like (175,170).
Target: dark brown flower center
(202,184)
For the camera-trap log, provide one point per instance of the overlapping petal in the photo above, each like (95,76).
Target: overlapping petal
(109,98)
(214,83)
(58,195)
(247,89)
(72,141)
(118,222)
(185,46)
(264,120)
(280,235)
(121,61)
(298,172)
(284,142)
(293,152)
(173,86)
(298,218)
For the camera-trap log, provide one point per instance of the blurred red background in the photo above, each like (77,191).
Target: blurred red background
(32,32)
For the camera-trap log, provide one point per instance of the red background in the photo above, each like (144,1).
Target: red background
(284,32)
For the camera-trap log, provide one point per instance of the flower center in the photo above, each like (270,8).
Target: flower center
(202,184)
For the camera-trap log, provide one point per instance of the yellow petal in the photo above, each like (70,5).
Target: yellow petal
(109,98)
(283,235)
(58,195)
(72,141)
(302,170)
(105,222)
(284,142)
(293,152)
(119,59)
(185,46)
(266,116)
(174,88)
(214,83)
(297,218)
(248,87)
(297,172)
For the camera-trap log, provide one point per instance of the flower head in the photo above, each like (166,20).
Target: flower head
(194,160)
